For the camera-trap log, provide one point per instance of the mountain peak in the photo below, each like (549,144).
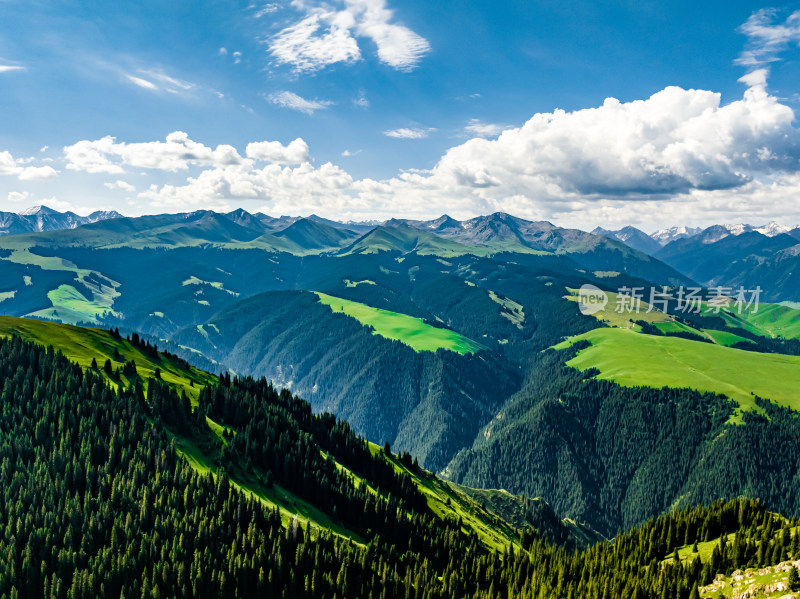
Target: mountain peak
(38,210)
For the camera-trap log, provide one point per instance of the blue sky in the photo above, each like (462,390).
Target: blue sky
(399,105)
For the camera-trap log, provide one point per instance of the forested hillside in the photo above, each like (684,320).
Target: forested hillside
(614,456)
(97,501)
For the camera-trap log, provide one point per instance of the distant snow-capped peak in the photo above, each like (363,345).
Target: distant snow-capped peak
(664,236)
(36,211)
(771,229)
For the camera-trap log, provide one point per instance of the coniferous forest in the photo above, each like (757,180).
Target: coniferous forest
(97,501)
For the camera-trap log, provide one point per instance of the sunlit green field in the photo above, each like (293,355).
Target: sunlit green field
(402,327)
(770,320)
(634,359)
(81,345)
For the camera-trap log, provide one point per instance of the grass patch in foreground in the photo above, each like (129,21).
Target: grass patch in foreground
(401,327)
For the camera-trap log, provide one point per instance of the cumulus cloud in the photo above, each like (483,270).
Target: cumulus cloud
(120,184)
(274,151)
(327,188)
(409,133)
(286,99)
(675,141)
(19,168)
(677,152)
(177,152)
(327,35)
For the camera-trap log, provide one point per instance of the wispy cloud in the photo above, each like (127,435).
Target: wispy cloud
(143,83)
(768,37)
(326,36)
(287,99)
(158,81)
(18,196)
(265,10)
(319,40)
(478,128)
(361,101)
(409,133)
(8,68)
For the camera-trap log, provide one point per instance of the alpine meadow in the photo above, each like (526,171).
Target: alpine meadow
(337,299)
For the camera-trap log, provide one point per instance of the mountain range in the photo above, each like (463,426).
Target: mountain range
(433,336)
(42,218)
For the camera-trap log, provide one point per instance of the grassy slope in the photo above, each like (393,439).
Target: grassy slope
(68,304)
(770,320)
(407,329)
(623,318)
(633,359)
(82,344)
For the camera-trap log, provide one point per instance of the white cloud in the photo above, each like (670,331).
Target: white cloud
(18,168)
(18,196)
(348,153)
(409,133)
(267,9)
(326,36)
(675,141)
(120,184)
(154,80)
(37,173)
(286,189)
(319,40)
(274,151)
(676,153)
(143,83)
(286,99)
(478,128)
(223,51)
(757,78)
(8,68)
(177,152)
(361,101)
(768,37)
(237,57)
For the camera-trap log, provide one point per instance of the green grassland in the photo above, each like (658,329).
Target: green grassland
(82,344)
(769,320)
(401,327)
(633,359)
(623,319)
(69,304)
(725,338)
